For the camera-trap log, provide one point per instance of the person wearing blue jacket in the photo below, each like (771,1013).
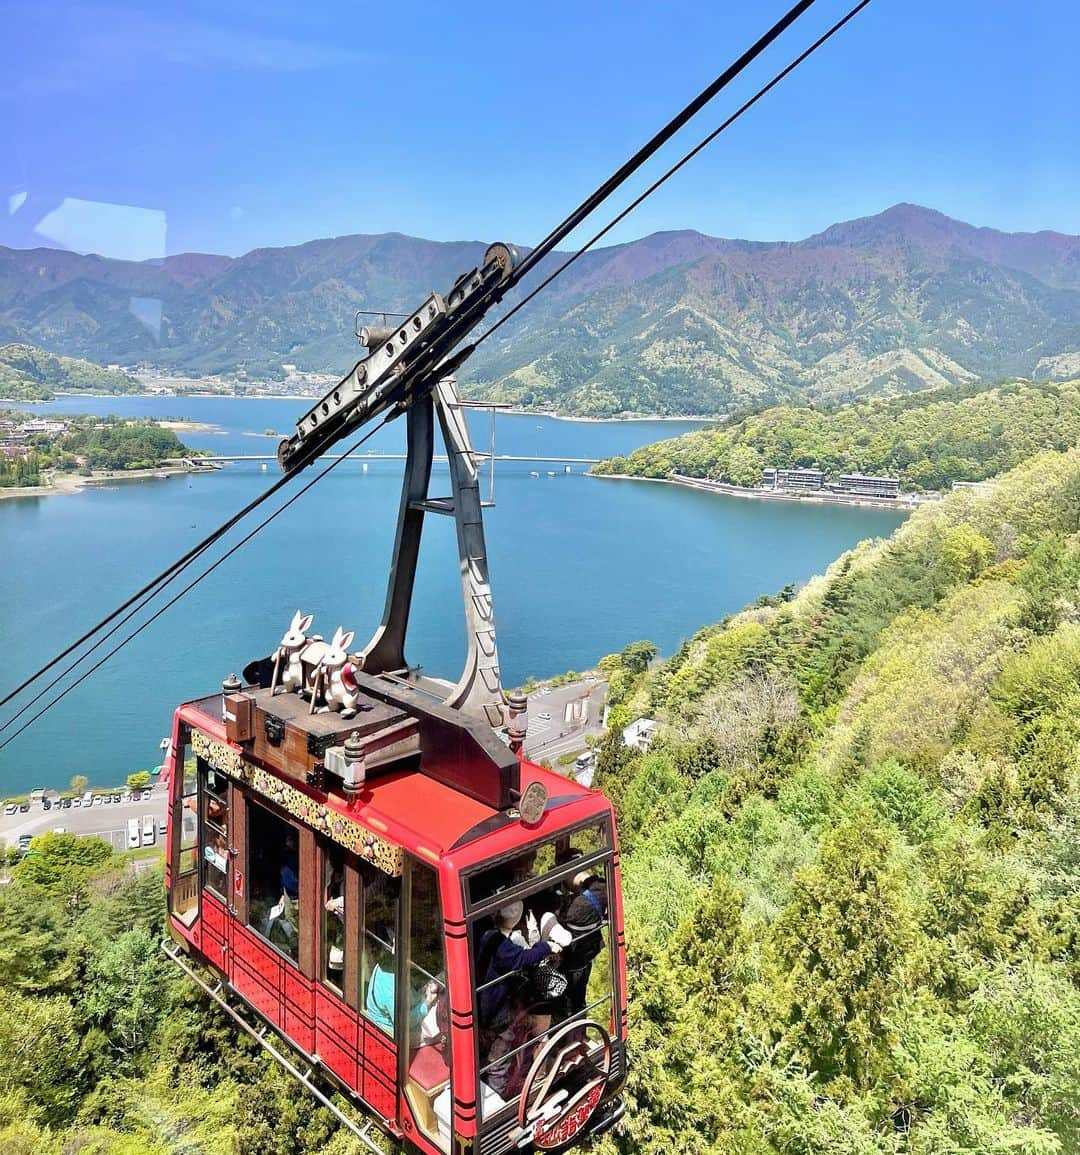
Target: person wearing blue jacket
(500,956)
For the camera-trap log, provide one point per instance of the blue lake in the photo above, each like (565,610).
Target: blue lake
(580,567)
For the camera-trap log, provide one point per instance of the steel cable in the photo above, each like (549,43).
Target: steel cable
(674,169)
(172,601)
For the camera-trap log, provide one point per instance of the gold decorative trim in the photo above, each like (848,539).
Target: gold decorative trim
(347,832)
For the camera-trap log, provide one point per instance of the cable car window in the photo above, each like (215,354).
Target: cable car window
(427,1085)
(184,889)
(378,946)
(537,861)
(541,959)
(334,928)
(274,879)
(215,830)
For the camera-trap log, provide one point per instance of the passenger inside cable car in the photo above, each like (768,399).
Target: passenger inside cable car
(540,957)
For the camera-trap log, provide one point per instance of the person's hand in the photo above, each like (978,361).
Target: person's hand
(555,948)
(431,992)
(532,931)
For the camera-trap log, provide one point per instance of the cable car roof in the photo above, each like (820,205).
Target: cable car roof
(424,815)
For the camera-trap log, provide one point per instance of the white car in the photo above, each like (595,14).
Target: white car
(134,841)
(544,717)
(11,808)
(148,830)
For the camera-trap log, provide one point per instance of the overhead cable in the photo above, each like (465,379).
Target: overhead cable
(187,589)
(674,169)
(591,202)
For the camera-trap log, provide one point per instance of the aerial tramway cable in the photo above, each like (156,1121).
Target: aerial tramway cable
(147,590)
(852,13)
(176,597)
(619,177)
(143,596)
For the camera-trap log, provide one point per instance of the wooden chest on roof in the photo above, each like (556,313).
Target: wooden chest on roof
(293,742)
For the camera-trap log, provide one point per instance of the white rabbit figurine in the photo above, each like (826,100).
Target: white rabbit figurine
(287,662)
(341,691)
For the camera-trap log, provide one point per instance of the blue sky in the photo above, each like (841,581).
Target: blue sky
(135,129)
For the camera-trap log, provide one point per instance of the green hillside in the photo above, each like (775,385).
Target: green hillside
(928,440)
(850,867)
(850,859)
(30,374)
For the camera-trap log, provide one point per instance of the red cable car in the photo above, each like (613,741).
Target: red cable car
(431,921)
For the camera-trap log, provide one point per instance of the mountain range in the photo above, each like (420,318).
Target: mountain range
(674,323)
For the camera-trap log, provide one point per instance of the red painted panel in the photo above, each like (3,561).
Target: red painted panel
(256,973)
(380,1093)
(336,1035)
(214,914)
(380,1052)
(379,1071)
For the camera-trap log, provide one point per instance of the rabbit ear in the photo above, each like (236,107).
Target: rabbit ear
(346,640)
(305,623)
(295,623)
(335,643)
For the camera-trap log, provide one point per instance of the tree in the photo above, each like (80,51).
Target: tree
(847,946)
(79,784)
(138,780)
(637,656)
(965,553)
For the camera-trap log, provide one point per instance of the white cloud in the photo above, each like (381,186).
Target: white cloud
(96,44)
(15,202)
(125,231)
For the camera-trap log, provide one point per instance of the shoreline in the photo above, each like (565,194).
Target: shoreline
(73,483)
(513,411)
(905,501)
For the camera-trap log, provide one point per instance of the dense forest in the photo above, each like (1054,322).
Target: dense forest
(91,443)
(31,374)
(851,870)
(928,440)
(852,858)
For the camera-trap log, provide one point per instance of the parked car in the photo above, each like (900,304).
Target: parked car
(105,799)
(46,804)
(24,842)
(65,803)
(544,716)
(148,830)
(133,834)
(59,830)
(116,797)
(88,798)
(162,827)
(10,808)
(75,801)
(24,808)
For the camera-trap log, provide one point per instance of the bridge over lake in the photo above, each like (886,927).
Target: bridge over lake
(222,457)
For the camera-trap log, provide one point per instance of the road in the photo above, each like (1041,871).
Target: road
(106,821)
(575,710)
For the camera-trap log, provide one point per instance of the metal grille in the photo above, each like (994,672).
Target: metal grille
(500,1139)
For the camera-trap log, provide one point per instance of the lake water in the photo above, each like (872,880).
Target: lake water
(580,567)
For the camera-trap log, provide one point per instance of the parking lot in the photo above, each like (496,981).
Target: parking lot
(108,821)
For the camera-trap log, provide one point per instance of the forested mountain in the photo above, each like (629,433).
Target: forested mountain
(850,859)
(673,323)
(928,439)
(850,867)
(29,374)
